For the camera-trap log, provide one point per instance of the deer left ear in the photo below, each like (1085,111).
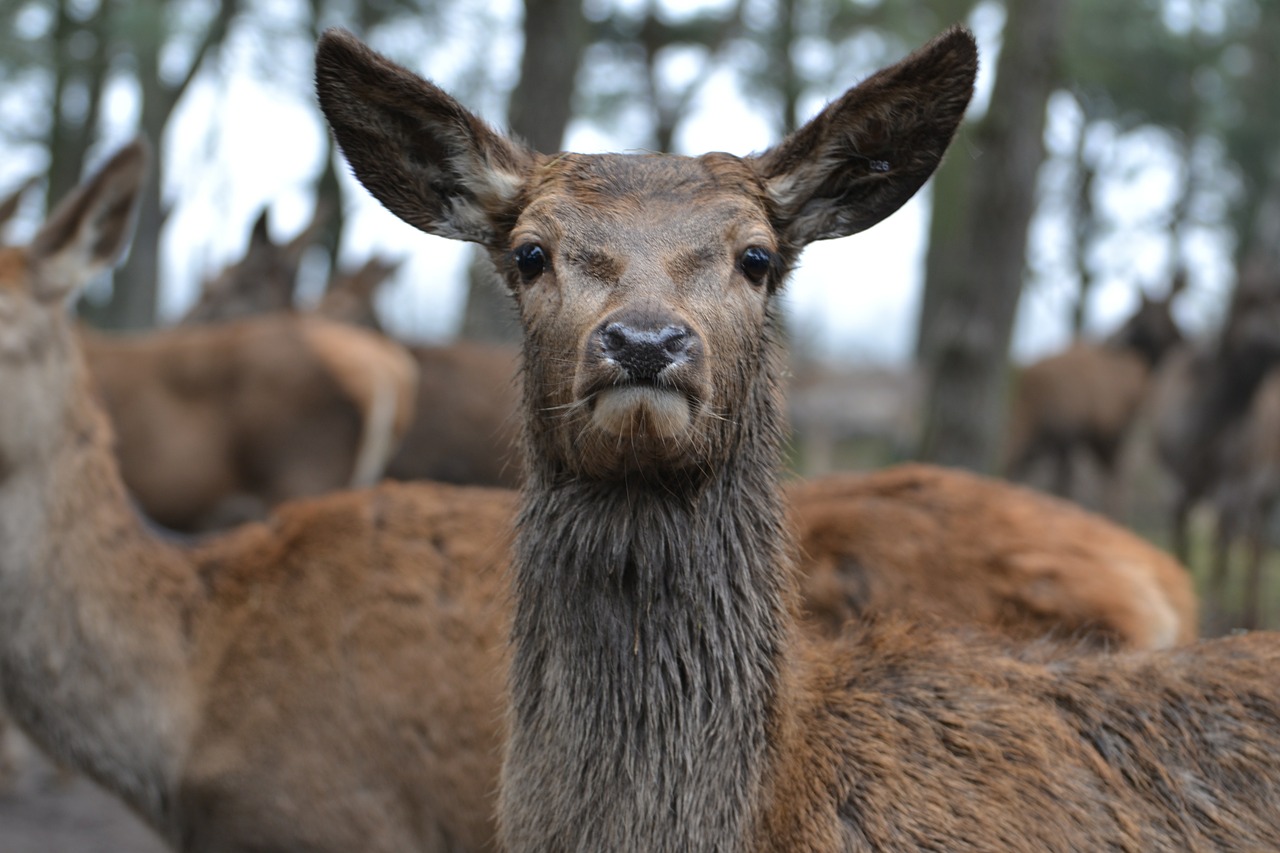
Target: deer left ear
(867,153)
(90,229)
(422,154)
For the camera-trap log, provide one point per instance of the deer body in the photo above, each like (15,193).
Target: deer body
(661,696)
(217,423)
(464,428)
(952,546)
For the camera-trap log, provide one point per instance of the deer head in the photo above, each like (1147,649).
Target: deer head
(646,284)
(1152,330)
(349,298)
(264,279)
(85,235)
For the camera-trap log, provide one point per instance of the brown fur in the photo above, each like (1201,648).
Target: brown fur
(661,696)
(465,427)
(962,549)
(216,423)
(465,424)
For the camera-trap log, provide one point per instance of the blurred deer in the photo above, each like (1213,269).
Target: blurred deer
(218,421)
(1244,501)
(263,280)
(464,428)
(1088,397)
(349,295)
(1203,394)
(1215,423)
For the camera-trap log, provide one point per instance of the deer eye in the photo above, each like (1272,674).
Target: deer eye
(530,260)
(755,263)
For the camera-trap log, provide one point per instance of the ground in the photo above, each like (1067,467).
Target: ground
(47,812)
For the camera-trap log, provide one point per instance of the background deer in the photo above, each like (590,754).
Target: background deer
(1203,397)
(349,295)
(1244,500)
(947,545)
(285,687)
(264,280)
(463,427)
(661,696)
(215,424)
(1088,397)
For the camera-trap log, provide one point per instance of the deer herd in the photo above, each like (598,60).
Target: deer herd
(586,612)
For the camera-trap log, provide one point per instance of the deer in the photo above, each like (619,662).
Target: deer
(264,280)
(349,295)
(661,696)
(462,428)
(1089,397)
(270,688)
(963,549)
(331,679)
(217,423)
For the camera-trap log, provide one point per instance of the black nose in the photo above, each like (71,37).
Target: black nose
(644,353)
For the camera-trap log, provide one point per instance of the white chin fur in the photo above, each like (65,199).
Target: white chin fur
(642,411)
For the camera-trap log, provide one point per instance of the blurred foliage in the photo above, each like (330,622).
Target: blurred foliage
(1197,71)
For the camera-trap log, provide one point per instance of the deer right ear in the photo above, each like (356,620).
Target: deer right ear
(9,206)
(417,150)
(90,229)
(864,155)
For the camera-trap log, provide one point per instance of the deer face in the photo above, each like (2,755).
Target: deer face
(643,282)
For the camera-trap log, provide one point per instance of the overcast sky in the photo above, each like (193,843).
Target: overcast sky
(248,139)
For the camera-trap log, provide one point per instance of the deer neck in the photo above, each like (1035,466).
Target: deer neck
(651,619)
(93,654)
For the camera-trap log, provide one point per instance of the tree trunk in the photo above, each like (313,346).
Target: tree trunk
(135,285)
(985,197)
(70,136)
(555,39)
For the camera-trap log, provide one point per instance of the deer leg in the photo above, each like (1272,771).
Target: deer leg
(1062,472)
(1250,615)
(1220,569)
(1107,452)
(1181,514)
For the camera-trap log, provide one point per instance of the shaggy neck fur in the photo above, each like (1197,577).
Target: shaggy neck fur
(92,641)
(651,616)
